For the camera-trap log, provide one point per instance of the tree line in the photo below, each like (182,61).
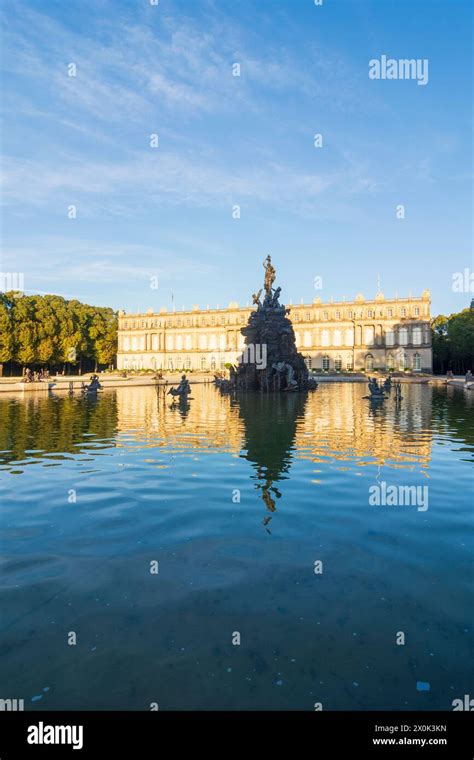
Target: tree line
(453,342)
(51,332)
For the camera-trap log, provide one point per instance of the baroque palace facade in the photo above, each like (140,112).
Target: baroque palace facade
(358,335)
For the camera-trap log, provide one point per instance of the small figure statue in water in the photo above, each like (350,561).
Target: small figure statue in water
(183,389)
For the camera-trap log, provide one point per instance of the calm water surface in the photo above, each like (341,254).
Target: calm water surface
(236,500)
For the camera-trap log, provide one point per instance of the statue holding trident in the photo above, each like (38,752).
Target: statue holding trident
(270,275)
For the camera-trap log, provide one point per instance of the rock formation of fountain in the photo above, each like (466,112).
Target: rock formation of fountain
(270,361)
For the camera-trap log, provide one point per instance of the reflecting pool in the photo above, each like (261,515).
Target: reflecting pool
(237,553)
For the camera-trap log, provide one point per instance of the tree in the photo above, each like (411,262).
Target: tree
(6,329)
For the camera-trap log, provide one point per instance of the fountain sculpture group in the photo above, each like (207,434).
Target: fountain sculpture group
(269,337)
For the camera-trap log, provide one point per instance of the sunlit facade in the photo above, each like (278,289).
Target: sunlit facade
(337,336)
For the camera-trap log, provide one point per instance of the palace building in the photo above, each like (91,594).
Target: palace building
(336,336)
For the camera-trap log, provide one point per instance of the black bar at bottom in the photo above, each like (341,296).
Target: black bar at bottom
(141,734)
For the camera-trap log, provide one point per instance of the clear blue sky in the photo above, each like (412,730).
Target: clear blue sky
(167,212)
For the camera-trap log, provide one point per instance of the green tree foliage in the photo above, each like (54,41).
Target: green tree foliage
(50,331)
(453,342)
(6,328)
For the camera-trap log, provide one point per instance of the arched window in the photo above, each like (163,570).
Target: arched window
(337,338)
(187,363)
(325,363)
(338,363)
(417,336)
(170,364)
(325,338)
(349,339)
(213,362)
(203,362)
(126,344)
(369,363)
(307,339)
(390,362)
(417,362)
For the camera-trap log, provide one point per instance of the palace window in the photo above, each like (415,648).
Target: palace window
(349,339)
(417,336)
(307,316)
(403,312)
(126,344)
(350,314)
(389,337)
(187,342)
(390,313)
(222,320)
(203,342)
(179,323)
(349,365)
(337,338)
(179,342)
(325,338)
(307,339)
(369,363)
(416,311)
(203,362)
(213,321)
(308,362)
(169,342)
(125,325)
(222,364)
(325,363)
(338,364)
(143,323)
(187,363)
(134,344)
(213,362)
(296,317)
(242,319)
(417,362)
(401,360)
(188,321)
(369,336)
(370,313)
(403,336)
(325,316)
(338,314)
(170,364)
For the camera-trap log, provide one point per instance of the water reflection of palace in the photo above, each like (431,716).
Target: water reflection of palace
(341,424)
(334,422)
